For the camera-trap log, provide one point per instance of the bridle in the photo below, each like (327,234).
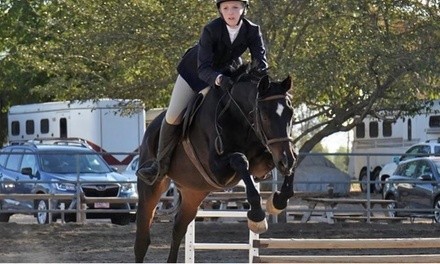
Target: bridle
(256,126)
(259,131)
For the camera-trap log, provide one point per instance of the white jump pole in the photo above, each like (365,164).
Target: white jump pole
(191,246)
(190,238)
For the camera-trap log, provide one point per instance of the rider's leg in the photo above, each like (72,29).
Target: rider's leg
(181,95)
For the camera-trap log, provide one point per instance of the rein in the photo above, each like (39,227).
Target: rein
(258,122)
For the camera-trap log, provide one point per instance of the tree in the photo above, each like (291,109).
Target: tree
(351,58)
(18,26)
(93,49)
(122,49)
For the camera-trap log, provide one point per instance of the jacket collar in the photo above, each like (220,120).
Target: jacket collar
(241,36)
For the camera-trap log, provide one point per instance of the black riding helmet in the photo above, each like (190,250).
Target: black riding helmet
(245,2)
(218,2)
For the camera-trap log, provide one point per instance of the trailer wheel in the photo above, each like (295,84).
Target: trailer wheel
(363,181)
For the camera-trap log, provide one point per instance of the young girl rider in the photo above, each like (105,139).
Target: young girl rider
(221,44)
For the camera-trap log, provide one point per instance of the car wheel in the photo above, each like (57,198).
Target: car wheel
(391,207)
(123,219)
(437,210)
(363,181)
(42,215)
(70,218)
(4,217)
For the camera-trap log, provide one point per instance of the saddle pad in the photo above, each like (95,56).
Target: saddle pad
(190,112)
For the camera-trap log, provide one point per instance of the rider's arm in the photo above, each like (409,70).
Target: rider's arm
(206,58)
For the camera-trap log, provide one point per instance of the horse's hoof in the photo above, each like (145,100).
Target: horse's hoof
(258,227)
(270,207)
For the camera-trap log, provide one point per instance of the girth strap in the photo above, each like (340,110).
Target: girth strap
(187,146)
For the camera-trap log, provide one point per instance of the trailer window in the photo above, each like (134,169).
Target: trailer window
(434,121)
(15,128)
(360,130)
(30,127)
(387,129)
(63,128)
(374,129)
(44,126)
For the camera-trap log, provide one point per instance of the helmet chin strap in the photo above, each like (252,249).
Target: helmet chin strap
(241,18)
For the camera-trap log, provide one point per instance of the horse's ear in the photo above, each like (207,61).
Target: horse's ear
(263,85)
(287,83)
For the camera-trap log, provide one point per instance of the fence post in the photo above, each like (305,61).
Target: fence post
(368,190)
(189,242)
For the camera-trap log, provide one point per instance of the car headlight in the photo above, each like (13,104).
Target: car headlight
(63,186)
(127,187)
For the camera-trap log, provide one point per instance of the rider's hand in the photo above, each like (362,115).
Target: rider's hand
(226,83)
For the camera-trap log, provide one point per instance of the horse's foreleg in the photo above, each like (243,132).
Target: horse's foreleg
(148,198)
(190,201)
(256,216)
(277,202)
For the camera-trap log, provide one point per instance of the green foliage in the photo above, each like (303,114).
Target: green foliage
(354,58)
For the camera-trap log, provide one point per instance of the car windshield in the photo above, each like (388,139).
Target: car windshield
(73,163)
(437,165)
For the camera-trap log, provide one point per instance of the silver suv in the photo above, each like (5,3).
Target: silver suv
(425,149)
(61,168)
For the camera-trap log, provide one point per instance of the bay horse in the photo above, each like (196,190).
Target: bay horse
(241,134)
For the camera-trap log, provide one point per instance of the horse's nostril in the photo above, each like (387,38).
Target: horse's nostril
(283,162)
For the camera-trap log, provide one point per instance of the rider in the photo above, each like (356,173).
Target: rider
(221,44)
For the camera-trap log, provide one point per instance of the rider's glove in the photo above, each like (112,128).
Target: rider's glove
(226,83)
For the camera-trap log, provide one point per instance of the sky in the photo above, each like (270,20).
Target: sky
(334,141)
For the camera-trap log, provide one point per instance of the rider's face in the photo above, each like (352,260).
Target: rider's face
(231,12)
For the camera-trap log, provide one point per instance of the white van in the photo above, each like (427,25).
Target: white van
(108,125)
(376,141)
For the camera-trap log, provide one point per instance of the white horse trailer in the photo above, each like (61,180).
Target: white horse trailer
(382,139)
(104,124)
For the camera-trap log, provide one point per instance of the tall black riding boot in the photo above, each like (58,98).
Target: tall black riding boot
(168,140)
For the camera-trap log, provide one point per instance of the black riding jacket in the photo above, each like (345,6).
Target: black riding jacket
(214,53)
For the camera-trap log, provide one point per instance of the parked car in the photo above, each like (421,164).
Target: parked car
(415,186)
(165,204)
(428,148)
(54,168)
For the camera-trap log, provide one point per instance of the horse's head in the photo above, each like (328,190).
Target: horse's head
(267,107)
(273,122)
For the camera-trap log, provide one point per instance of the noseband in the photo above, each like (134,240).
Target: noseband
(259,131)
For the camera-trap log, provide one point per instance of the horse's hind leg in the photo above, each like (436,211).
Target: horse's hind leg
(190,201)
(277,202)
(149,197)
